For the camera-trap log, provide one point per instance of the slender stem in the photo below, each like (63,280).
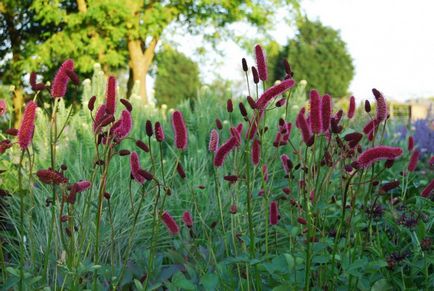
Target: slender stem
(112,245)
(155,220)
(338,233)
(53,134)
(219,200)
(99,211)
(20,191)
(130,239)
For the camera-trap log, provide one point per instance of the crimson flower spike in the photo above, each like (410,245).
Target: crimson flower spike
(159,133)
(186,217)
(142,146)
(224,150)
(170,223)
(428,190)
(3,107)
(381,105)
(180,170)
(413,161)
(410,143)
(149,131)
(25,132)
(261,63)
(315,111)
(61,79)
(229,105)
(99,117)
(288,71)
(273,92)
(284,159)
(326,110)
(213,141)
(125,125)
(377,153)
(367,106)
(91,104)
(219,124)
(35,86)
(304,127)
(252,102)
(180,130)
(274,213)
(352,107)
(265,172)
(244,64)
(73,77)
(83,185)
(135,168)
(127,104)
(255,75)
(49,176)
(256,152)
(32,79)
(389,186)
(111,95)
(242,108)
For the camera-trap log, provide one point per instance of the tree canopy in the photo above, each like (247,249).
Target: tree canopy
(177,77)
(318,55)
(116,32)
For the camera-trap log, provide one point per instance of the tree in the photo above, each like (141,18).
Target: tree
(177,77)
(19,32)
(114,32)
(318,55)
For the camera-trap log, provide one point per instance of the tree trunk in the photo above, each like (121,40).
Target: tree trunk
(18,102)
(15,41)
(139,63)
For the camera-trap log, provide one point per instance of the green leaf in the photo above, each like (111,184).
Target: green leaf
(209,281)
(13,271)
(421,230)
(138,285)
(282,288)
(354,268)
(320,259)
(381,285)
(179,280)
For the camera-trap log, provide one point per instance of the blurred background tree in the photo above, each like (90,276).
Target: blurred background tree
(319,55)
(177,77)
(19,32)
(118,32)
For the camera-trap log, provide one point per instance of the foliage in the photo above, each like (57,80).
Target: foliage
(177,78)
(42,33)
(337,228)
(319,55)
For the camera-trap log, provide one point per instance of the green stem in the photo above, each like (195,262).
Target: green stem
(130,239)
(53,134)
(99,211)
(20,191)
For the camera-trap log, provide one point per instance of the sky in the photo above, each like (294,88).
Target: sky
(391,43)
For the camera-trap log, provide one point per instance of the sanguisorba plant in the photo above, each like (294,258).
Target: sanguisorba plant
(295,209)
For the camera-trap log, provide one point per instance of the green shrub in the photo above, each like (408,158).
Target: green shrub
(177,77)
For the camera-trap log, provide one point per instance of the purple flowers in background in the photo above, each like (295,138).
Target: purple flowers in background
(424,136)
